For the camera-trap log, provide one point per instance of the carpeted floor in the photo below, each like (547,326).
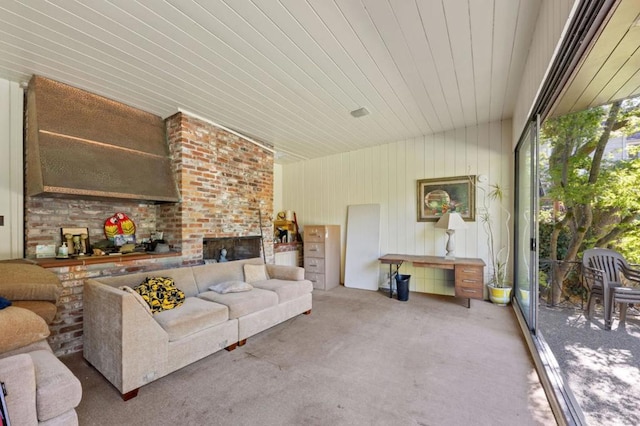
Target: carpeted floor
(360,358)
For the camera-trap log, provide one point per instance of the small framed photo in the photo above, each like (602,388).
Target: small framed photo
(439,196)
(121,239)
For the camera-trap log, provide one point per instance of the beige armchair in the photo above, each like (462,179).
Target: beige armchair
(40,388)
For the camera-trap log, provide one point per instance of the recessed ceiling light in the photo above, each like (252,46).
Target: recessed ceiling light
(360,112)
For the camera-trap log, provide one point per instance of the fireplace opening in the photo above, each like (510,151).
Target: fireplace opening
(237,248)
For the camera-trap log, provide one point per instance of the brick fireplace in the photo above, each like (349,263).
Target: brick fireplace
(225,183)
(226,187)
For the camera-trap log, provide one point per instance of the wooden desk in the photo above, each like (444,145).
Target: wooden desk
(468,272)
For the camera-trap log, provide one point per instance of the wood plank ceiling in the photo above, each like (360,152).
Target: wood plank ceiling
(610,70)
(284,72)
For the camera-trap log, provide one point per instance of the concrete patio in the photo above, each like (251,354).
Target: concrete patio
(601,367)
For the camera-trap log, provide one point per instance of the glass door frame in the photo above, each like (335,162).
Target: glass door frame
(527,146)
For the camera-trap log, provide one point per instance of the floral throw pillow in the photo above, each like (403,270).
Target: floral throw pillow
(160,293)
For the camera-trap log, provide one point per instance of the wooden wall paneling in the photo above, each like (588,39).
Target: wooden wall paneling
(368,175)
(387,175)
(432,161)
(326,178)
(315,188)
(404,203)
(417,155)
(483,168)
(430,165)
(11,171)
(383,196)
(392,201)
(461,169)
(471,232)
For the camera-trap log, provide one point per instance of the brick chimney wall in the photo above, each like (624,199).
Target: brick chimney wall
(223,180)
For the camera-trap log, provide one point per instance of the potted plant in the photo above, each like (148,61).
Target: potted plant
(499,284)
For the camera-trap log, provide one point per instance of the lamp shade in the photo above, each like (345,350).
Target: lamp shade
(451,221)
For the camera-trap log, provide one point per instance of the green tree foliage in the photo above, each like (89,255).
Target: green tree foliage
(595,197)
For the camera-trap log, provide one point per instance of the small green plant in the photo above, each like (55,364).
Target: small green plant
(498,256)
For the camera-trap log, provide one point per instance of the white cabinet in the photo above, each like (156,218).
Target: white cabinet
(322,255)
(288,258)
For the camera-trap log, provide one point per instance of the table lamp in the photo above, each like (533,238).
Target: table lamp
(451,222)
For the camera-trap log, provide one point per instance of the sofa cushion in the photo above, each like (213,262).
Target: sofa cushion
(214,273)
(47,310)
(57,389)
(20,327)
(244,303)
(160,293)
(194,315)
(285,272)
(254,273)
(182,277)
(286,290)
(28,282)
(231,287)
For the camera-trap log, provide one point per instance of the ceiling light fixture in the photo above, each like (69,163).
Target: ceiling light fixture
(360,112)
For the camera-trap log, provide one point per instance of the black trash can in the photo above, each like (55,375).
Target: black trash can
(402,286)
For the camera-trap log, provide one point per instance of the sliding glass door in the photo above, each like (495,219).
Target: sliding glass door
(526,230)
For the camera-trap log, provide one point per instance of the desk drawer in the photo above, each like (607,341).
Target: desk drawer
(470,292)
(469,281)
(314,265)
(469,272)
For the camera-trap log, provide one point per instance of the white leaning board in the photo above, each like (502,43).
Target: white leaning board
(361,263)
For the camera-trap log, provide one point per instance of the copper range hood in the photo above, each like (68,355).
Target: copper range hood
(80,144)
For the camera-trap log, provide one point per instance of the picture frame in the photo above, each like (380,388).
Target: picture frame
(79,245)
(441,195)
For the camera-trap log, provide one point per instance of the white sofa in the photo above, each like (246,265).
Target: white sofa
(132,347)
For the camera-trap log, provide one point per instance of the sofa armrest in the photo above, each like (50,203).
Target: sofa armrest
(121,339)
(19,377)
(285,272)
